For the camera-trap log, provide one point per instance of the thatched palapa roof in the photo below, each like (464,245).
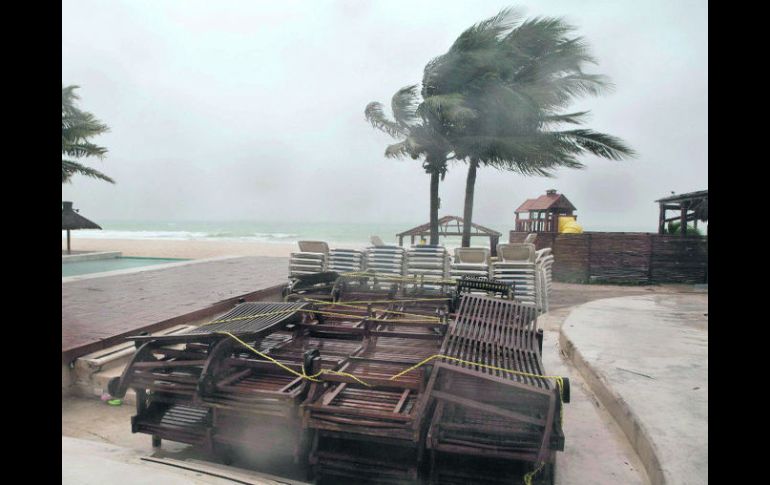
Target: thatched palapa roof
(72,220)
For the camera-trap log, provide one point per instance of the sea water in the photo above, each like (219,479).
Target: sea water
(281,232)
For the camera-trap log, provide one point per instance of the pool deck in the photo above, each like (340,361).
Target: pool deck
(102,309)
(646,360)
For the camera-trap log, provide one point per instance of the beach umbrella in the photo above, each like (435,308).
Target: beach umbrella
(70,220)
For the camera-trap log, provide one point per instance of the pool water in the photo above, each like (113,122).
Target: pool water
(112,264)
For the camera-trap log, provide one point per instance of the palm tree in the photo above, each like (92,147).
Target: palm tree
(501,90)
(418,138)
(76,128)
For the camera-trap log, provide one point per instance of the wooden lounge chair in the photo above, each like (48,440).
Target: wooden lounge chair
(493,413)
(252,398)
(484,286)
(167,372)
(374,432)
(317,286)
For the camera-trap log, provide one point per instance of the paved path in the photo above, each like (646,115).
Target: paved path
(97,312)
(86,462)
(646,359)
(596,451)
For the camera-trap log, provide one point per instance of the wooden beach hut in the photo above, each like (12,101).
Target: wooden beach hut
(689,207)
(542,213)
(453,226)
(70,220)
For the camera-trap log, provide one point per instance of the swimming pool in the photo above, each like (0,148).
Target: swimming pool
(111,264)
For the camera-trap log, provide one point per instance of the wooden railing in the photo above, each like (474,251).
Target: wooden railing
(536,225)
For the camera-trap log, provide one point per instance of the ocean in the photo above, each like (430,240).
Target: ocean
(338,234)
(265,232)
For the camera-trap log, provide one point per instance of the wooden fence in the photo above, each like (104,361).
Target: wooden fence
(624,257)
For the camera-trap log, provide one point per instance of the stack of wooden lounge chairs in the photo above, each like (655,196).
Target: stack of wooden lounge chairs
(353,381)
(173,375)
(498,417)
(371,428)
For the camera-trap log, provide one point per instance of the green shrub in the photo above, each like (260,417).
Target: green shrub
(673,228)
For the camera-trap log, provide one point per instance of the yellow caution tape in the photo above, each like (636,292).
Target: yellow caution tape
(392,277)
(303,375)
(558,379)
(321,302)
(528,476)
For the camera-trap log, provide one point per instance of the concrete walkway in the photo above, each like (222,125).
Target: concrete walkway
(595,451)
(101,311)
(86,462)
(646,359)
(91,463)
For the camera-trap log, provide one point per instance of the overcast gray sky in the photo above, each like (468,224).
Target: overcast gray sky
(254,109)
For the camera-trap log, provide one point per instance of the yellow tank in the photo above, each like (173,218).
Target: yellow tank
(568,225)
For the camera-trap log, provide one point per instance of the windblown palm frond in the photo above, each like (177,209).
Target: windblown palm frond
(466,60)
(82,149)
(487,32)
(404,105)
(419,135)
(447,110)
(375,115)
(577,118)
(599,144)
(397,150)
(77,127)
(70,168)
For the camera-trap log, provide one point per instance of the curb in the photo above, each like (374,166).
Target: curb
(74,258)
(618,408)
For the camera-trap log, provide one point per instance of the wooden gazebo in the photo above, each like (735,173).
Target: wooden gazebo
(543,212)
(453,226)
(693,206)
(70,220)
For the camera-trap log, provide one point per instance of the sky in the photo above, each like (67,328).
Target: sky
(254,110)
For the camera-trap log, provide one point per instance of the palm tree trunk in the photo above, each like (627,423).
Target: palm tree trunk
(470,184)
(434,179)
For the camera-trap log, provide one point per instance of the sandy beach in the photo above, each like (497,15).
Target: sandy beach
(191,249)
